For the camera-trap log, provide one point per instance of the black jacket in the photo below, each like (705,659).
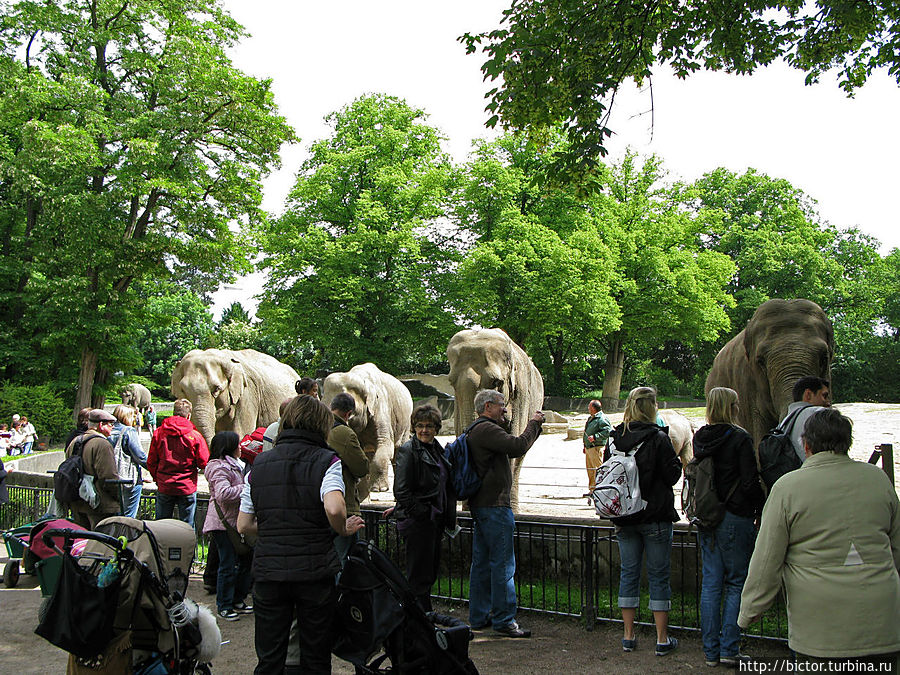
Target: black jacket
(492,448)
(417,477)
(658,470)
(733,462)
(296,542)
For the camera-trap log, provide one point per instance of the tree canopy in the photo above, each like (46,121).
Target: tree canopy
(563,61)
(129,148)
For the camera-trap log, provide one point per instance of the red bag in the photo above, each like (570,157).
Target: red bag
(251,445)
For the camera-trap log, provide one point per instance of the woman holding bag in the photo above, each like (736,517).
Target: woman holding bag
(130,457)
(225,476)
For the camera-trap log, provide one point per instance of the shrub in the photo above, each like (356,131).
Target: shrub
(43,406)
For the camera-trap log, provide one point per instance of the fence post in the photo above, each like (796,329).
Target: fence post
(884,452)
(588,611)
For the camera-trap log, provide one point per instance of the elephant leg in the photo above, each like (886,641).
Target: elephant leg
(378,468)
(516,467)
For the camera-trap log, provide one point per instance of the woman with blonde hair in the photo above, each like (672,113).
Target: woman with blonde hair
(130,457)
(726,550)
(650,530)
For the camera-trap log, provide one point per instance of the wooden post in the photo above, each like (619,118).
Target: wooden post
(887,460)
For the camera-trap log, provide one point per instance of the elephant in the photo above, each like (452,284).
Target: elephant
(784,340)
(232,390)
(489,359)
(137,396)
(681,433)
(381,419)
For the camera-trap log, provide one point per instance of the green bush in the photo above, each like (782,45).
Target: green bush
(43,406)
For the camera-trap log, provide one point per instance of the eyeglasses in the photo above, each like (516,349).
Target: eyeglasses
(425,427)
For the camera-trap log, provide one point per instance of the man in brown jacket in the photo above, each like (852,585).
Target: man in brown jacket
(354,463)
(492,590)
(99,462)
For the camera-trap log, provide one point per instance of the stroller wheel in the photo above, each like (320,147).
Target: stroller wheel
(43,609)
(11,574)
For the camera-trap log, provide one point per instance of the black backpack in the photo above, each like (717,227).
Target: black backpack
(699,498)
(776,452)
(67,479)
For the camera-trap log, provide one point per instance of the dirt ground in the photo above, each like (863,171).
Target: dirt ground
(556,646)
(553,481)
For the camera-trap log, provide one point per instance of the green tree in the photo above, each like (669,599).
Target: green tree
(353,263)
(128,146)
(562,61)
(173,321)
(234,313)
(666,286)
(535,268)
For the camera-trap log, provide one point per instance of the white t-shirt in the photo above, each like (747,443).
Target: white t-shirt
(333,480)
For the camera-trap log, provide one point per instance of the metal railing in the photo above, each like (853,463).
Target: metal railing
(566,569)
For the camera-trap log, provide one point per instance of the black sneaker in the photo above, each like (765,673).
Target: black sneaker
(513,630)
(243,608)
(668,647)
(228,615)
(734,661)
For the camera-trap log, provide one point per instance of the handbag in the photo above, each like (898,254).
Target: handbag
(242,545)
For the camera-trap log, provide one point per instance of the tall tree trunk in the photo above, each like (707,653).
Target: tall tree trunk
(87,368)
(612,377)
(98,398)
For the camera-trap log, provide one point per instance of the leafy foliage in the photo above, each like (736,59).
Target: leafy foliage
(563,61)
(43,406)
(352,266)
(128,145)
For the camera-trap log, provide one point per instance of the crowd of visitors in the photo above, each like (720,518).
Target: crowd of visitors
(18,438)
(828,533)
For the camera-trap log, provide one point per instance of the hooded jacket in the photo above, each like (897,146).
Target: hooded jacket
(177,453)
(733,462)
(658,470)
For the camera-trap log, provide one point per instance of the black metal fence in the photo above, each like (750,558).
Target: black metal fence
(562,568)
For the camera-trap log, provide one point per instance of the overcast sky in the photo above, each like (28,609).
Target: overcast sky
(321,55)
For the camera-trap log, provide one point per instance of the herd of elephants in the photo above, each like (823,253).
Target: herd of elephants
(242,390)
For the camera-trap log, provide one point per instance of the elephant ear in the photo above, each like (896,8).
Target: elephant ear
(234,371)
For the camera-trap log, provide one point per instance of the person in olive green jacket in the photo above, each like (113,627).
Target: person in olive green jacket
(354,463)
(831,534)
(99,462)
(596,433)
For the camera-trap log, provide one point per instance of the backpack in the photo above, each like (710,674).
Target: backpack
(68,477)
(251,444)
(699,498)
(617,489)
(463,475)
(777,455)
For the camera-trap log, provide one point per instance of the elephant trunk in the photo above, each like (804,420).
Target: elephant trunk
(203,415)
(464,413)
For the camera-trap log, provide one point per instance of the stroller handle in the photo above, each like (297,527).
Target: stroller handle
(71,535)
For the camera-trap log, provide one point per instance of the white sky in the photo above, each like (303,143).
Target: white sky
(322,55)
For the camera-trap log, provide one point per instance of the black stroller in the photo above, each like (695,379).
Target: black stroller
(119,606)
(378,611)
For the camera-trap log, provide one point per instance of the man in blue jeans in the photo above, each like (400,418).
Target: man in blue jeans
(177,453)
(492,590)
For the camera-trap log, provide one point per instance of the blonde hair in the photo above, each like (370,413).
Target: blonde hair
(720,404)
(309,413)
(640,406)
(125,414)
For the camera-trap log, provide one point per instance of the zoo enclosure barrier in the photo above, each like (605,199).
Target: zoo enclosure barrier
(562,568)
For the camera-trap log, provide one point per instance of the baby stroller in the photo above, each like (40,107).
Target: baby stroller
(377,610)
(28,554)
(120,606)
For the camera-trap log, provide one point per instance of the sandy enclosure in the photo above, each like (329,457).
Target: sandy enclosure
(554,478)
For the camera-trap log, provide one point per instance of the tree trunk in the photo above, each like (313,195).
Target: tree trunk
(98,399)
(612,377)
(87,368)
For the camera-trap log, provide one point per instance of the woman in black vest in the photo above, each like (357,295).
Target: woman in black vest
(425,503)
(296,506)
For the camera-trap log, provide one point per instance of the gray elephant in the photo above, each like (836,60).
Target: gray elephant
(489,359)
(381,420)
(783,341)
(137,396)
(232,390)
(681,433)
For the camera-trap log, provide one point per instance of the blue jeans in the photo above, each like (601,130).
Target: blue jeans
(26,450)
(492,589)
(132,499)
(187,505)
(726,557)
(656,540)
(233,581)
